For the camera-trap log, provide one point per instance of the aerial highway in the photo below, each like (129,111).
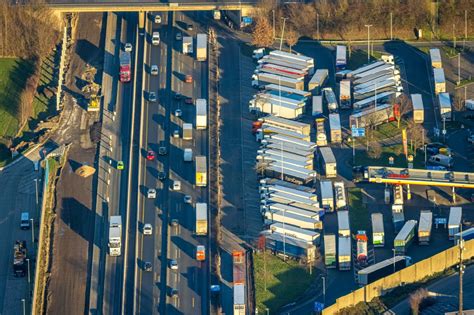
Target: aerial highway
(172,219)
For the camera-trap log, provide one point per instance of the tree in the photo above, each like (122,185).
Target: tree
(416,135)
(262,35)
(291,37)
(401,106)
(375,150)
(458,104)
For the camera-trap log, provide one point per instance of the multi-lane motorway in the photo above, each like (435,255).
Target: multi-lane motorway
(127,286)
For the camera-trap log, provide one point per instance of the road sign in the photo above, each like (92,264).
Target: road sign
(358,132)
(441,221)
(318,306)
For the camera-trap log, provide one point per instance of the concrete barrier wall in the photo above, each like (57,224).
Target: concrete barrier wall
(414,273)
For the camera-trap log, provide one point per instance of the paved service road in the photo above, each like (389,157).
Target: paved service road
(158,123)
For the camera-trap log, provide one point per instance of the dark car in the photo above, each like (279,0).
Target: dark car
(359,174)
(162,151)
(174,222)
(173,292)
(177,96)
(147,266)
(161,175)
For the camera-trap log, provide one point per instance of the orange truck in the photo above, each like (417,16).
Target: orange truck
(200,253)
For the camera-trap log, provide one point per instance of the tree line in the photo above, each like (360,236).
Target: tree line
(347,19)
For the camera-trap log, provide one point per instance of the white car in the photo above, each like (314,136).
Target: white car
(147,229)
(151,193)
(173,264)
(157,19)
(176,185)
(155,38)
(176,133)
(128,47)
(154,70)
(178,112)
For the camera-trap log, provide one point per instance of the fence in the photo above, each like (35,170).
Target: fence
(411,274)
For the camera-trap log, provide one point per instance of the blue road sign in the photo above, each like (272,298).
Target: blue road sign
(358,132)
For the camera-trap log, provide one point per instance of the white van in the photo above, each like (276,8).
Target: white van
(443,160)
(25,221)
(188,155)
(155,38)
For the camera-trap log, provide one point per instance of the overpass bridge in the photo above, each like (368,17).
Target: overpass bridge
(63,6)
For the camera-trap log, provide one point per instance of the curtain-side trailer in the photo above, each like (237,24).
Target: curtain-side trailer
(344,256)
(424,227)
(405,237)
(382,269)
(418,109)
(343,226)
(435,57)
(378,233)
(330,250)
(454,221)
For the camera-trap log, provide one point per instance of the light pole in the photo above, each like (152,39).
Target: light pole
(32,231)
(454,36)
(368,41)
(282,32)
(37,198)
(24,306)
(273,11)
(465,29)
(461,271)
(317,25)
(425,153)
(391,26)
(444,128)
(459,69)
(393,249)
(324,289)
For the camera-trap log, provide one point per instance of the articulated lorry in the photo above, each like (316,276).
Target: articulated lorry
(343,226)
(405,237)
(321,138)
(201,113)
(201,171)
(424,227)
(187,131)
(454,221)
(328,162)
(378,233)
(201,218)
(317,81)
(435,57)
(362,252)
(344,256)
(261,79)
(115,235)
(345,99)
(340,195)
(382,269)
(327,195)
(125,67)
(201,47)
(330,251)
(288,246)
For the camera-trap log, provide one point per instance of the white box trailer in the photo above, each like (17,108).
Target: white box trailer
(293,219)
(327,195)
(317,106)
(300,176)
(381,99)
(281,154)
(304,206)
(335,126)
(287,63)
(454,221)
(261,79)
(294,58)
(330,99)
(340,195)
(288,190)
(343,226)
(187,131)
(270,159)
(375,76)
(341,57)
(239,299)
(376,83)
(277,88)
(424,227)
(266,130)
(330,250)
(435,57)
(344,253)
(405,237)
(276,99)
(445,105)
(318,80)
(201,113)
(296,232)
(439,80)
(292,198)
(398,217)
(201,47)
(296,142)
(295,126)
(321,138)
(278,145)
(345,99)
(281,70)
(328,162)
(273,181)
(382,67)
(272,207)
(371,116)
(378,233)
(276,108)
(418,109)
(365,68)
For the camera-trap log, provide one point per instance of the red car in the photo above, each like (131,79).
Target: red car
(150,156)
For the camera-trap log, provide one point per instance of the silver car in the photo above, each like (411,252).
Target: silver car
(154,70)
(152,97)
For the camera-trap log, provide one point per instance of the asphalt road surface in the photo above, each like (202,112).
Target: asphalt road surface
(159,122)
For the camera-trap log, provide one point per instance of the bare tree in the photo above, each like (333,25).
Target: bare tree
(375,150)
(458,104)
(262,35)
(401,106)
(416,134)
(291,37)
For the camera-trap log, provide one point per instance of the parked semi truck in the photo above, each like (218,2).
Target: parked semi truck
(288,246)
(341,57)
(328,162)
(435,57)
(321,138)
(424,227)
(201,171)
(439,80)
(398,217)
(327,195)
(444,100)
(418,109)
(296,232)
(261,79)
(378,234)
(330,99)
(454,221)
(317,106)
(317,81)
(201,47)
(239,299)
(201,218)
(335,127)
(125,67)
(405,237)
(19,258)
(362,252)
(343,226)
(330,250)
(340,195)
(382,269)
(115,235)
(344,253)
(345,100)
(201,113)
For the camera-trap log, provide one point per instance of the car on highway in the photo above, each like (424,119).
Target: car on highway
(438,148)
(179,36)
(155,38)
(151,193)
(162,150)
(173,292)
(188,199)
(174,222)
(120,165)
(161,176)
(150,155)
(188,100)
(147,229)
(176,185)
(189,27)
(176,133)
(147,266)
(152,97)
(188,78)
(157,19)
(128,47)
(178,112)
(173,264)
(177,96)
(154,70)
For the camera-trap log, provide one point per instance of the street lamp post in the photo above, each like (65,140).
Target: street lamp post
(317,25)
(273,11)
(368,41)
(324,289)
(32,231)
(37,198)
(282,32)
(24,306)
